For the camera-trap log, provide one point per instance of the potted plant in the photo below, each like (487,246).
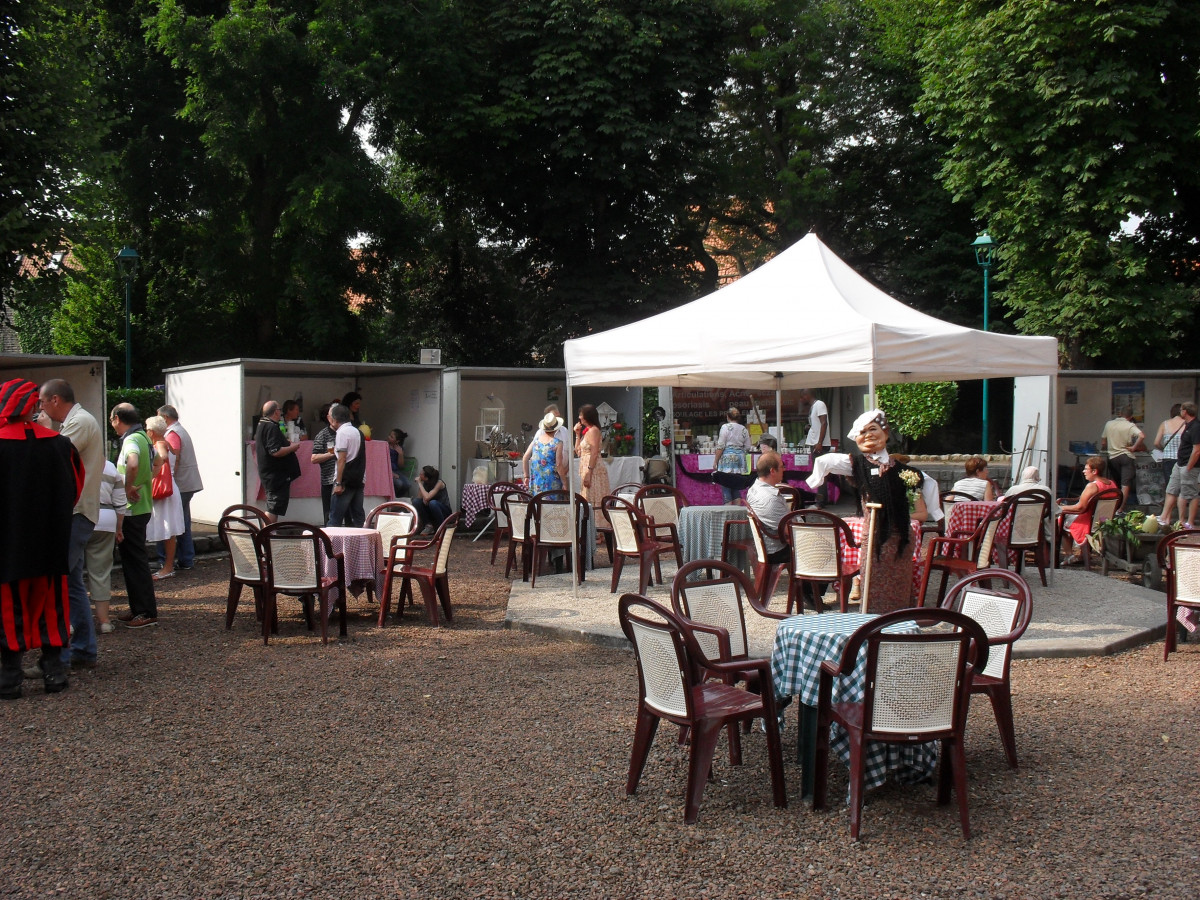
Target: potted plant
(1122,535)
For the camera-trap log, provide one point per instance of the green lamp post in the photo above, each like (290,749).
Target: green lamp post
(985,249)
(127,265)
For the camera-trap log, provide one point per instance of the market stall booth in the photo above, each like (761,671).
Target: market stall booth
(220,402)
(490,414)
(805,319)
(86,375)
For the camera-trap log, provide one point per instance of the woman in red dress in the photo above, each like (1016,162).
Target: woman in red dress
(1078,528)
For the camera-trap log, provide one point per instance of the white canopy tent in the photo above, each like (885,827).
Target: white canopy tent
(806,319)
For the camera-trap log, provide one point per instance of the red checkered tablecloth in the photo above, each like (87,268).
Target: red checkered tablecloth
(362,551)
(474,501)
(967,514)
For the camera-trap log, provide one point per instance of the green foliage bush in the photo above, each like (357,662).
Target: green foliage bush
(916,409)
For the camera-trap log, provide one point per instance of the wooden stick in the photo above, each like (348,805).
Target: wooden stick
(869,550)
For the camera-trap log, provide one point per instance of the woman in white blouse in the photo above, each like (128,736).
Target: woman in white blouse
(976,484)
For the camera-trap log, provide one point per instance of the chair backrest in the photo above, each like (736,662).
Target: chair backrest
(251,513)
(241,539)
(1105,505)
(985,534)
(443,538)
(1029,512)
(664,669)
(715,599)
(550,514)
(495,495)
(815,538)
(294,552)
(1179,557)
(915,684)
(515,504)
(396,520)
(626,491)
(660,502)
(626,523)
(793,496)
(757,541)
(1004,613)
(949,498)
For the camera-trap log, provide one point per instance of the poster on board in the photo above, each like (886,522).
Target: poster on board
(1130,394)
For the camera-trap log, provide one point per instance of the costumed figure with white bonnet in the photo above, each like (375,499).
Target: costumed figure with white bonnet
(885,481)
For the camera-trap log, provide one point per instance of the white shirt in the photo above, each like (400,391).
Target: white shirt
(814,424)
(349,439)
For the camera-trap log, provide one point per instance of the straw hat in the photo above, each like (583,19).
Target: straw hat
(551,423)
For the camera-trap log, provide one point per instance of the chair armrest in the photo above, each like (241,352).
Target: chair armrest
(766,613)
(722,636)
(949,543)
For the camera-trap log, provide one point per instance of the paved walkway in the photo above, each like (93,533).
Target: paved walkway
(1079,614)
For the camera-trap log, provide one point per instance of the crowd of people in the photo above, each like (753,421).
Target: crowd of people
(65,507)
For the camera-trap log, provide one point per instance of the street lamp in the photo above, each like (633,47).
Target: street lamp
(127,265)
(985,249)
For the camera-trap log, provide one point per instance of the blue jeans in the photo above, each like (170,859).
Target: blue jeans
(346,508)
(434,513)
(185,548)
(83,629)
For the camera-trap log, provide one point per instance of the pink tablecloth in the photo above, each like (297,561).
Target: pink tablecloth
(362,550)
(701,493)
(377,482)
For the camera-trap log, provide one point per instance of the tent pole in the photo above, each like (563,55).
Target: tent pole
(575,560)
(779,408)
(871,390)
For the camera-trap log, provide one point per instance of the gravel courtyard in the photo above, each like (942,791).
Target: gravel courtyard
(473,761)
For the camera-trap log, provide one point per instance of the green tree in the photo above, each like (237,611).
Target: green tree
(818,132)
(914,410)
(568,136)
(51,121)
(1069,122)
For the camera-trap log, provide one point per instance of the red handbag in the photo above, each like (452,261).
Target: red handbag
(160,487)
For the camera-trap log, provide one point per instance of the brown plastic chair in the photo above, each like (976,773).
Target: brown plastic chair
(433,579)
(1004,614)
(250,513)
(397,522)
(1102,507)
(632,540)
(246,564)
(515,504)
(660,504)
(294,554)
(1028,513)
(815,540)
(502,531)
(766,574)
(1179,558)
(548,526)
(961,556)
(793,495)
(627,491)
(715,599)
(916,688)
(671,667)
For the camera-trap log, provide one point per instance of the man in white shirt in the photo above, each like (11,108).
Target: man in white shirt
(818,434)
(75,422)
(769,507)
(346,503)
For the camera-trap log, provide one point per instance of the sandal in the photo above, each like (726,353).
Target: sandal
(1073,560)
(160,575)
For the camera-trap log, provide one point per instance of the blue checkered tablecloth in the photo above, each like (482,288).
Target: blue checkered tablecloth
(802,643)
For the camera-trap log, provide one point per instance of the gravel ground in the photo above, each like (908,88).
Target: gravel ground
(473,761)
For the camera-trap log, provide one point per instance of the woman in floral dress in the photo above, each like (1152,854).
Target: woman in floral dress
(545,461)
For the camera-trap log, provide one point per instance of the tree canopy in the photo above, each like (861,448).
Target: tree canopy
(351,179)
